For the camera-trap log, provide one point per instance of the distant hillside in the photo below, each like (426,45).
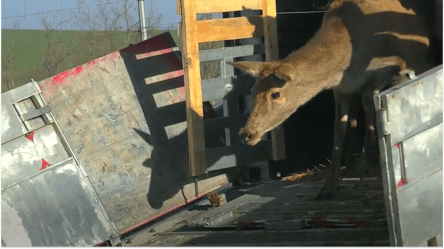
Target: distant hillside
(29,48)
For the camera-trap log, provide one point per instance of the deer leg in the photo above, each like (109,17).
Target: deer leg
(390,78)
(353,143)
(331,184)
(370,140)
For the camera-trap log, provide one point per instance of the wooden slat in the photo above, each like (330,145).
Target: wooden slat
(229,29)
(271,54)
(232,52)
(205,6)
(193,88)
(270,30)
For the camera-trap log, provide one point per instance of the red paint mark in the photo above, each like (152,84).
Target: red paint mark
(45,165)
(397,146)
(77,70)
(400,183)
(96,61)
(30,136)
(60,78)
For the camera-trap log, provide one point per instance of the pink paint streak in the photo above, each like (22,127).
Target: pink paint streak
(97,61)
(30,136)
(400,183)
(45,165)
(60,78)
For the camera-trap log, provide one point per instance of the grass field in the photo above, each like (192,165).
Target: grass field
(28,46)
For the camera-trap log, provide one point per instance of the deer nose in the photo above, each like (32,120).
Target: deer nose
(245,137)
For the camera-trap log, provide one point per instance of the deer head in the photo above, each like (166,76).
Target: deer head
(274,97)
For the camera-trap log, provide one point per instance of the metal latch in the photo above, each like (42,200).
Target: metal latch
(35,113)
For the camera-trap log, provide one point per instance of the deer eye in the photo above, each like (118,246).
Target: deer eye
(275,95)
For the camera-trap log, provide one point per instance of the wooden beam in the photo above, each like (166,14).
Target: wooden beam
(270,30)
(230,28)
(271,54)
(205,6)
(193,88)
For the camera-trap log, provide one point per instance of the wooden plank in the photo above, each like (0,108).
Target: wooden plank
(230,28)
(232,52)
(193,88)
(270,30)
(271,54)
(205,6)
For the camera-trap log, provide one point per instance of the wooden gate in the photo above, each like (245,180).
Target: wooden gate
(229,87)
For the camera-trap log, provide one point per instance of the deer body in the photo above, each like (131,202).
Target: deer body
(362,47)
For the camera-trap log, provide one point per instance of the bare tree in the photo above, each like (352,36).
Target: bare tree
(55,52)
(153,20)
(111,26)
(8,60)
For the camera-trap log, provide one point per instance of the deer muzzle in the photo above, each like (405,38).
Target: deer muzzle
(245,137)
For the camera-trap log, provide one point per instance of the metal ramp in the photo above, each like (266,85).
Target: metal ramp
(280,214)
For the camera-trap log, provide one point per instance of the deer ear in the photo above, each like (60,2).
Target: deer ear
(252,68)
(285,72)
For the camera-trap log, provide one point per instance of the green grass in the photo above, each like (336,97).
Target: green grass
(29,46)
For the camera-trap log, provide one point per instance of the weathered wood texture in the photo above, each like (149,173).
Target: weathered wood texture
(129,134)
(193,88)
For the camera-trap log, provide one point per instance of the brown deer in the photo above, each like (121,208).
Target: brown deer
(362,47)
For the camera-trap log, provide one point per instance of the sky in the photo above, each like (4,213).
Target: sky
(12,8)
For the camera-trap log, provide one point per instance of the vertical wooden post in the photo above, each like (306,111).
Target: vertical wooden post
(193,88)
(271,54)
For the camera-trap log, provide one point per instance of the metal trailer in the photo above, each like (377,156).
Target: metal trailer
(401,208)
(100,150)
(95,152)
(409,123)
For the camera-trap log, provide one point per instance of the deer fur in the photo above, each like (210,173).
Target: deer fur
(362,47)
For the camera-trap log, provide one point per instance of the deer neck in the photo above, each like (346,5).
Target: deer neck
(319,65)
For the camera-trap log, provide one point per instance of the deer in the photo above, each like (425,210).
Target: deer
(361,48)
